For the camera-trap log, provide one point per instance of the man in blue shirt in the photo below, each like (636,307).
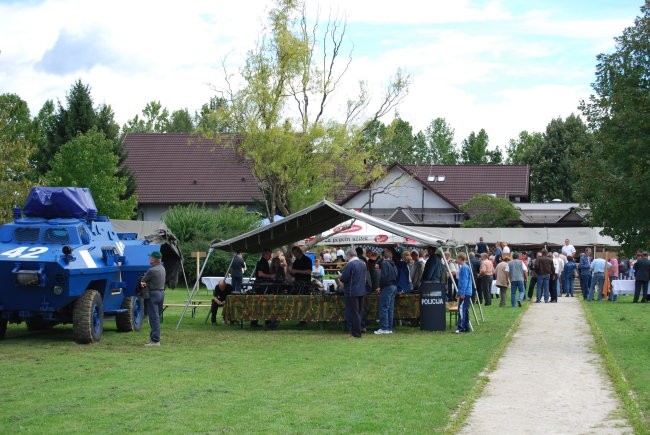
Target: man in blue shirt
(464,293)
(598,268)
(584,272)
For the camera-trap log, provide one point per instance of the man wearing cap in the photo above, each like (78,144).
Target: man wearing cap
(153,292)
(641,277)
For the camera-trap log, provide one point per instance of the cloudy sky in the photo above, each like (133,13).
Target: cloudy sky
(501,65)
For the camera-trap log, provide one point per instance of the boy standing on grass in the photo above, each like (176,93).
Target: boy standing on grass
(464,293)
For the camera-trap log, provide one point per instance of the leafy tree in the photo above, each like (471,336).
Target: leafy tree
(214,117)
(614,174)
(440,146)
(88,161)
(298,155)
(181,122)
(393,143)
(59,126)
(475,150)
(553,164)
(16,146)
(155,120)
(487,211)
(519,150)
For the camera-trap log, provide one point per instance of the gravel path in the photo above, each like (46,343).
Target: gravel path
(549,381)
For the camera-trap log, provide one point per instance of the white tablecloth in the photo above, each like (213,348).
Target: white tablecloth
(212,281)
(623,287)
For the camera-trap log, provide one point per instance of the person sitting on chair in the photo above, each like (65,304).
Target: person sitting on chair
(219,299)
(318,271)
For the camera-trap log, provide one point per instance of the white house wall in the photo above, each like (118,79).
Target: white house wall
(399,190)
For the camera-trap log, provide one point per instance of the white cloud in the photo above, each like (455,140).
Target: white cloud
(477,64)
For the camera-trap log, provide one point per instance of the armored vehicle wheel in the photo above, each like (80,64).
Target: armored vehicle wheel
(3,328)
(131,319)
(88,317)
(38,324)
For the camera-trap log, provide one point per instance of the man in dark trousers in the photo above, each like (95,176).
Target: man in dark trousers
(641,277)
(237,268)
(353,278)
(153,293)
(544,268)
(221,291)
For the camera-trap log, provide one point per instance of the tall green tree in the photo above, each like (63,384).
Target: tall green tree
(155,119)
(519,150)
(393,143)
(88,160)
(440,146)
(614,174)
(181,122)
(17,138)
(474,150)
(487,211)
(553,164)
(214,118)
(63,124)
(297,153)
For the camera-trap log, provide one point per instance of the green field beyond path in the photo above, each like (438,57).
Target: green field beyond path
(622,331)
(207,380)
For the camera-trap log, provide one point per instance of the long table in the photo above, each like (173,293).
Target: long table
(310,308)
(622,286)
(212,281)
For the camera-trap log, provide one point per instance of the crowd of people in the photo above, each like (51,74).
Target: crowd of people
(543,275)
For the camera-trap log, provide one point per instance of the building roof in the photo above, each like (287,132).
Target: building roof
(458,183)
(178,168)
(546,213)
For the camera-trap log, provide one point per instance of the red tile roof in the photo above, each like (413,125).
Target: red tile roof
(182,168)
(464,181)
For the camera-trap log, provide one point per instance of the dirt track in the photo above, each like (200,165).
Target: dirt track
(549,381)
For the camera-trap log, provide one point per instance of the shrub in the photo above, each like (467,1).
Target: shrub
(197,225)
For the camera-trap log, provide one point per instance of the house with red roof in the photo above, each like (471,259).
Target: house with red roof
(181,169)
(433,194)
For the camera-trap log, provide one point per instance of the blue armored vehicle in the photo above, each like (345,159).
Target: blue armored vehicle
(61,263)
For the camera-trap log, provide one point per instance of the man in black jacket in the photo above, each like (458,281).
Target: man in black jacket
(641,277)
(219,299)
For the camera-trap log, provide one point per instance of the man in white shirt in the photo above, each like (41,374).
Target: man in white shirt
(568,249)
(558,264)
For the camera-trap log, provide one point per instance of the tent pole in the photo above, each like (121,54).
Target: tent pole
(187,286)
(196,286)
(476,287)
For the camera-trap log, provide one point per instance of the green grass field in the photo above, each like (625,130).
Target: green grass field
(211,380)
(622,332)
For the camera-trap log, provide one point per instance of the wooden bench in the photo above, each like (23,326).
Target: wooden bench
(192,306)
(453,312)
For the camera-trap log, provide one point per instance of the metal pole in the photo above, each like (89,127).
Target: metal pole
(187,287)
(196,286)
(476,287)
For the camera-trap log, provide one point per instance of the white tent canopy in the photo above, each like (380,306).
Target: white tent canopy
(579,236)
(356,231)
